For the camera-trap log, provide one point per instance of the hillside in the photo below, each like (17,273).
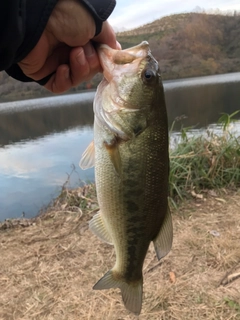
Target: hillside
(186,45)
(193,44)
(11,89)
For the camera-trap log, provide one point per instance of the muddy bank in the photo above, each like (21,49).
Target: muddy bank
(49,264)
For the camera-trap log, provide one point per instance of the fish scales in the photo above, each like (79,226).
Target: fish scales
(131,169)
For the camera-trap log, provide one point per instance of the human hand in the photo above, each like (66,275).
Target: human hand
(65,48)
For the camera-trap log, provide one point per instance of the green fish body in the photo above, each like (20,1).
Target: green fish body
(130,154)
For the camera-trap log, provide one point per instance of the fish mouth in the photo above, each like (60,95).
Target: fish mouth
(110,58)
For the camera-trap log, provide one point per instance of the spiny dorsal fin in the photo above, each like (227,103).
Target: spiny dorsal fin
(88,157)
(97,226)
(131,292)
(163,241)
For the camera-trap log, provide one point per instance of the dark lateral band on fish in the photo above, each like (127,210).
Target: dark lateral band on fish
(130,154)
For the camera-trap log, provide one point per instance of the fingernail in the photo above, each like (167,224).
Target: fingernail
(88,49)
(66,73)
(118,45)
(81,57)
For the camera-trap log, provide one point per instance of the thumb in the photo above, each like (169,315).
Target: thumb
(107,36)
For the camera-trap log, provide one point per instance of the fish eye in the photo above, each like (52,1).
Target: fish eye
(148,74)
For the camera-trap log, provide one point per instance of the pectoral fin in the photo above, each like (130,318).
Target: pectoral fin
(97,226)
(114,155)
(87,160)
(163,241)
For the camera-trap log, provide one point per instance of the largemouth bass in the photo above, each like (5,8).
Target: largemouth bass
(130,154)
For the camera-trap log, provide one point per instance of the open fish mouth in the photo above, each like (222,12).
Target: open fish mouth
(110,59)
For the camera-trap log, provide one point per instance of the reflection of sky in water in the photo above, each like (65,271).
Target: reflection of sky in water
(33,172)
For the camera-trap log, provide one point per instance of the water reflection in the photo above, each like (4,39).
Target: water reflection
(41,139)
(35,118)
(33,172)
(203,99)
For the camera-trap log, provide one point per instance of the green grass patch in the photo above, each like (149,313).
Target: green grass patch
(207,161)
(233,304)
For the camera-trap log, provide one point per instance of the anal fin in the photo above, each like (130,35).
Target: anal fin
(97,226)
(163,241)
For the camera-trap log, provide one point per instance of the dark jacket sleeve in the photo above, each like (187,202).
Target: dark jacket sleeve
(22,23)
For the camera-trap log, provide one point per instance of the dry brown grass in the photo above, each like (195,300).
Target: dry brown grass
(49,265)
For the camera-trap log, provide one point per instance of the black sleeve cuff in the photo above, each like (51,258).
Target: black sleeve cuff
(16,72)
(35,18)
(100,11)
(37,15)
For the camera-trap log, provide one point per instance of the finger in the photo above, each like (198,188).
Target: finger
(107,36)
(60,80)
(84,64)
(59,57)
(92,58)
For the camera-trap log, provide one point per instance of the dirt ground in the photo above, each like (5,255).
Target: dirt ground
(49,264)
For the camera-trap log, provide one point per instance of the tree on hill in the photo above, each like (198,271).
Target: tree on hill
(185,45)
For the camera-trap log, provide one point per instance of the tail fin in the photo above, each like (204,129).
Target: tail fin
(131,292)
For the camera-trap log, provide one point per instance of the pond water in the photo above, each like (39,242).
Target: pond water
(41,140)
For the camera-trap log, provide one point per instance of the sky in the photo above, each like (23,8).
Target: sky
(129,14)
